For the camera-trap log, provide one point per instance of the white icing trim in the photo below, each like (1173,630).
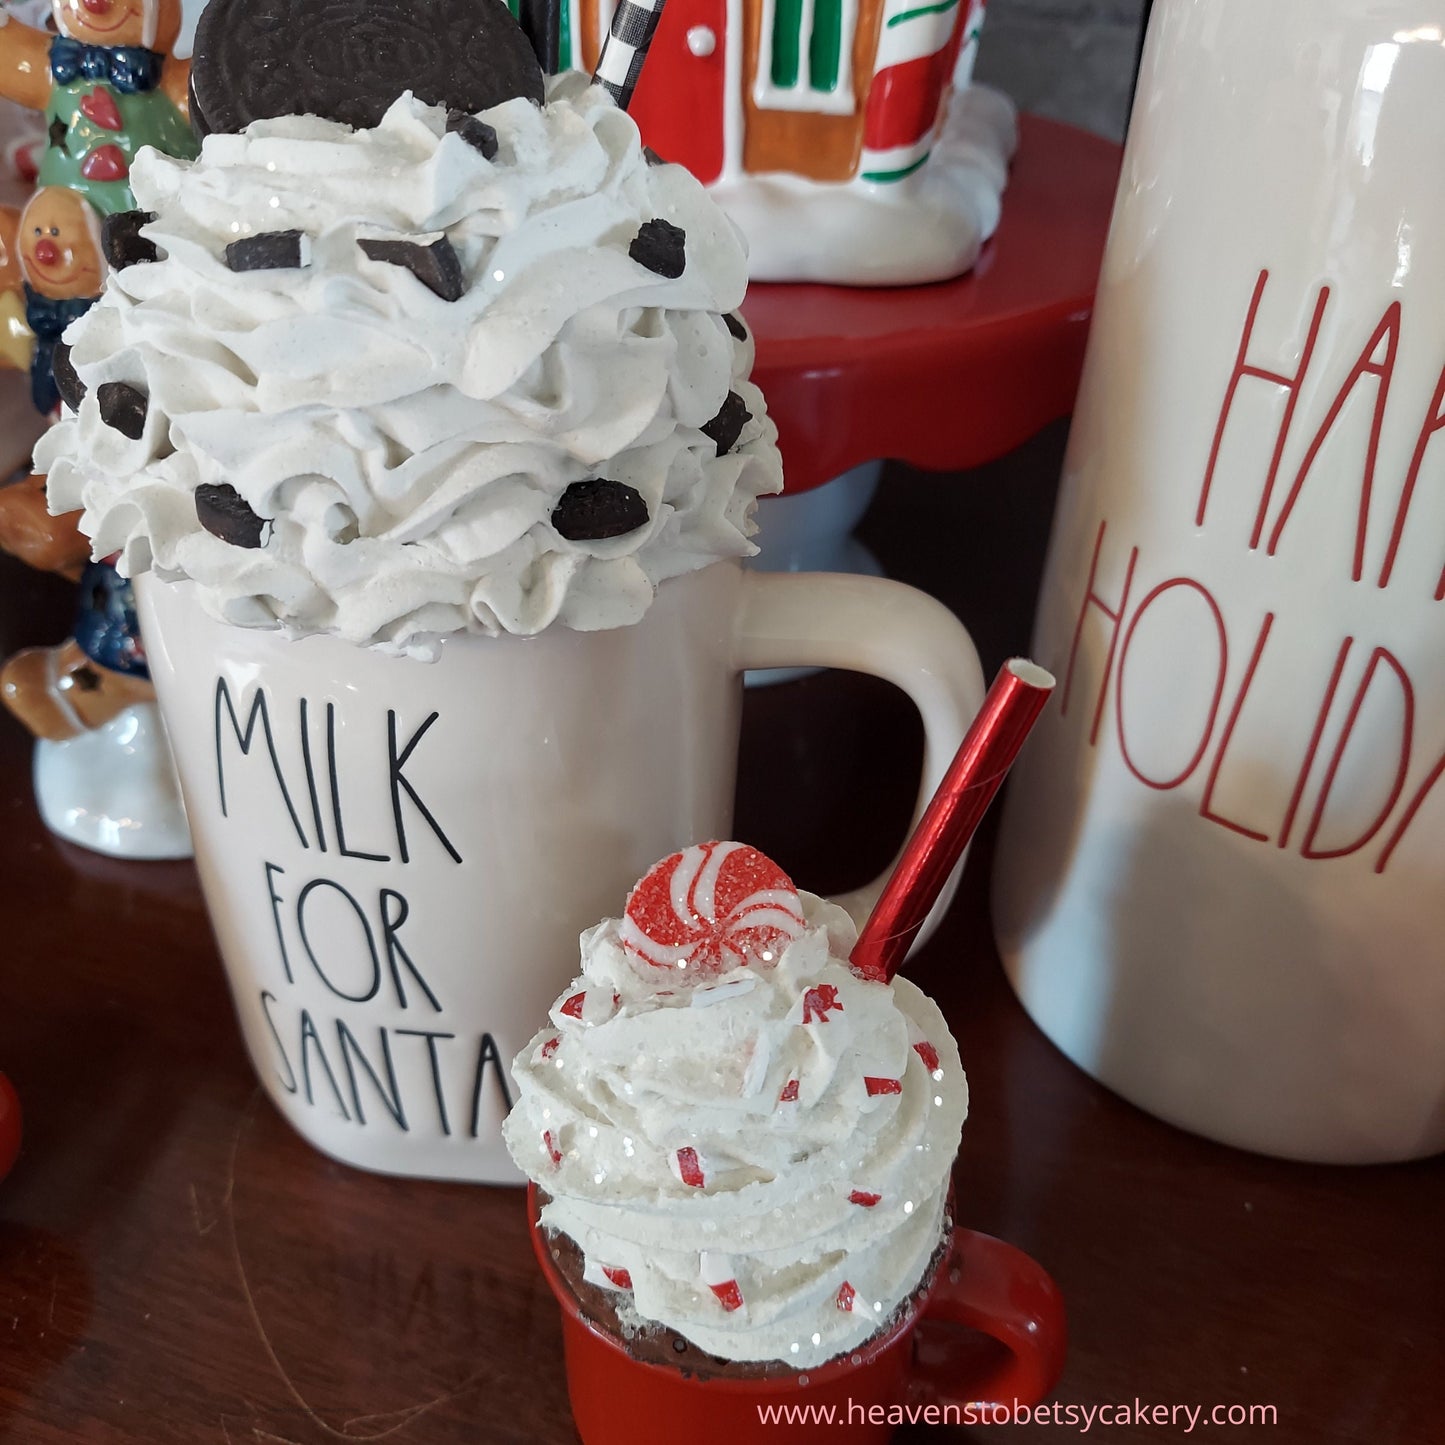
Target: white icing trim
(839,101)
(150,22)
(574,30)
(925,227)
(968,54)
(915,38)
(732,117)
(896,158)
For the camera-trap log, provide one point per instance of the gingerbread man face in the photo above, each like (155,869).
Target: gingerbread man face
(60,245)
(154,24)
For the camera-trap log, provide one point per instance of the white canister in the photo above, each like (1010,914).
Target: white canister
(1221,883)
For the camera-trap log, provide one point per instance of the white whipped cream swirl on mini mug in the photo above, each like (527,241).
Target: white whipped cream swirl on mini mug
(403,459)
(751,1145)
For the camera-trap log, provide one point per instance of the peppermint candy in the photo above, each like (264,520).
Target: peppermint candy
(718,1275)
(709,909)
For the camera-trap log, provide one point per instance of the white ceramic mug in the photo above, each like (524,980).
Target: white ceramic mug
(398,856)
(1221,881)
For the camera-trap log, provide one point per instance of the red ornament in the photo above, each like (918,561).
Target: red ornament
(790,1093)
(928,1054)
(100,107)
(619,1277)
(729,1295)
(846,1295)
(711,908)
(863,1198)
(551,1047)
(9,1125)
(818,1001)
(105,163)
(882,1086)
(573,1007)
(552,1148)
(689,1168)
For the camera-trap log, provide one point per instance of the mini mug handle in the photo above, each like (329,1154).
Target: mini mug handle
(885,629)
(999,1291)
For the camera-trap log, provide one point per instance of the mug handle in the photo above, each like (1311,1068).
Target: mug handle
(886,629)
(1001,1292)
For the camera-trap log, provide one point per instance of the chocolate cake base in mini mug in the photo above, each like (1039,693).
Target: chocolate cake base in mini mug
(922,1367)
(398,856)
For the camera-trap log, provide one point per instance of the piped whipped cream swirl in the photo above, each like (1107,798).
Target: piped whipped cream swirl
(407,453)
(758,1161)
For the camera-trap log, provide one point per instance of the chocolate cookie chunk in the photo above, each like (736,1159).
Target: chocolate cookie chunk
(661,247)
(266,251)
(123,407)
(595,509)
(734,324)
(436,266)
(122,242)
(226,514)
(67,382)
(477,133)
(727,426)
(348,60)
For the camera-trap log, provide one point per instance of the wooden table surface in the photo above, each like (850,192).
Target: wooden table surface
(178,1268)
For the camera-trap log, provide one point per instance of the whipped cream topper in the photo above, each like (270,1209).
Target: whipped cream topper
(328,443)
(751,1145)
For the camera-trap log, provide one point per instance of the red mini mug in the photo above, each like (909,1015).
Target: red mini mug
(9,1126)
(984,1284)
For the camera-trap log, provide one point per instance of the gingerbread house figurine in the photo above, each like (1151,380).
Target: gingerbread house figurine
(843,136)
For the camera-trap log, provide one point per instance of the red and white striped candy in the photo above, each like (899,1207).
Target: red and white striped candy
(717,1274)
(709,909)
(928,1054)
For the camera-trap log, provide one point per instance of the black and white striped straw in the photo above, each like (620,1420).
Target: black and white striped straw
(634,23)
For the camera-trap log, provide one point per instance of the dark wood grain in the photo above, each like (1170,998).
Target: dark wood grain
(177,1268)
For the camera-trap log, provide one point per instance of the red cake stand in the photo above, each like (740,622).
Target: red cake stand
(955,374)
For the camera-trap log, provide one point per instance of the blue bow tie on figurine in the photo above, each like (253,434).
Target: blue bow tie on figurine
(130,69)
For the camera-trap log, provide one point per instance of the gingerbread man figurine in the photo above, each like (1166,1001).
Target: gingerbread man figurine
(107,86)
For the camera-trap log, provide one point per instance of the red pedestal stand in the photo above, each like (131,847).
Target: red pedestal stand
(952,375)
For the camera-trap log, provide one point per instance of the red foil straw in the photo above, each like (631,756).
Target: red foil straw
(987,752)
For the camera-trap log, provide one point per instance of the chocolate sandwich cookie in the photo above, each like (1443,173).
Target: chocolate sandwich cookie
(727,426)
(67,380)
(267,251)
(477,133)
(435,264)
(596,509)
(122,242)
(348,60)
(226,514)
(123,408)
(661,247)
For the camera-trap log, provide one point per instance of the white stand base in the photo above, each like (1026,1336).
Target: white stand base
(813,532)
(114,790)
